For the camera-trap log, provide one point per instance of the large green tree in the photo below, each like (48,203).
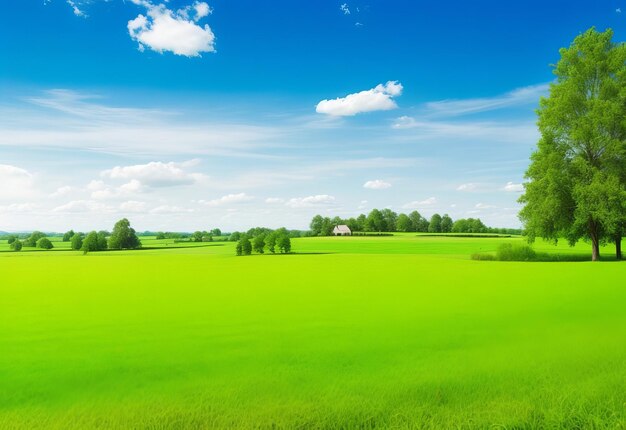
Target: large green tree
(575,183)
(123,236)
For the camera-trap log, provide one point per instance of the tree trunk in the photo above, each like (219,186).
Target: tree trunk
(618,247)
(595,241)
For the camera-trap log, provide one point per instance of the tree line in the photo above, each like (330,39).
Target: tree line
(576,181)
(123,236)
(386,220)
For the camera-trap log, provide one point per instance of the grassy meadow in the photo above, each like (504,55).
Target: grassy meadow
(349,332)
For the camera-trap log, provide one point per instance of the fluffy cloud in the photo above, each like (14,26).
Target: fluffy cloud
(513,188)
(228,199)
(133,206)
(15,182)
(155,174)
(377,184)
(304,202)
(417,204)
(378,98)
(100,191)
(162,29)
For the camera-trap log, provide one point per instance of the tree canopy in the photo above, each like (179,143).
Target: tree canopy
(123,236)
(576,180)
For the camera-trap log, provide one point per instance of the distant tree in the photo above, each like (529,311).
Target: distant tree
(327,227)
(404,223)
(160,236)
(270,242)
(16,245)
(258,244)
(446,224)
(11,238)
(352,224)
(389,219)
(284,244)
(434,226)
(68,236)
(316,225)
(76,242)
(418,222)
(234,236)
(123,236)
(375,221)
(216,232)
(33,238)
(197,236)
(244,247)
(460,226)
(102,241)
(361,221)
(44,243)
(90,242)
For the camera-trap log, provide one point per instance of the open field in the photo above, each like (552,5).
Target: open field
(363,332)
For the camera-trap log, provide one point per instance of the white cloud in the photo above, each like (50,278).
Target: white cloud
(484,206)
(155,174)
(133,206)
(378,98)
(513,188)
(363,204)
(274,200)
(82,206)
(417,204)
(18,208)
(79,121)
(62,191)
(517,97)
(317,200)
(467,187)
(162,29)
(228,199)
(15,182)
(168,209)
(100,191)
(75,8)
(377,184)
(345,9)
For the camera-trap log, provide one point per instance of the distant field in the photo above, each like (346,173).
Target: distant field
(350,332)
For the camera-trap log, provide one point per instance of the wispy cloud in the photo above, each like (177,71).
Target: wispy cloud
(517,97)
(310,201)
(80,122)
(420,204)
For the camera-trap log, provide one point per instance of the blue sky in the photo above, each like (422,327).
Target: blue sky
(186,115)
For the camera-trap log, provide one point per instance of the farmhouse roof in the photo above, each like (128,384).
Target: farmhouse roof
(342,229)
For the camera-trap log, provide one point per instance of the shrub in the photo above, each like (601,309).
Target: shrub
(515,252)
(44,243)
(483,257)
(16,245)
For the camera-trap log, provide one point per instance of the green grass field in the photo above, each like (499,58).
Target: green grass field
(363,332)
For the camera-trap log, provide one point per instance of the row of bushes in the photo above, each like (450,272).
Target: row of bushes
(273,241)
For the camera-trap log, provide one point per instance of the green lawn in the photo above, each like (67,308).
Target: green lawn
(363,332)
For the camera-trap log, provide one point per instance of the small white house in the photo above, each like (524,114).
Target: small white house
(342,230)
